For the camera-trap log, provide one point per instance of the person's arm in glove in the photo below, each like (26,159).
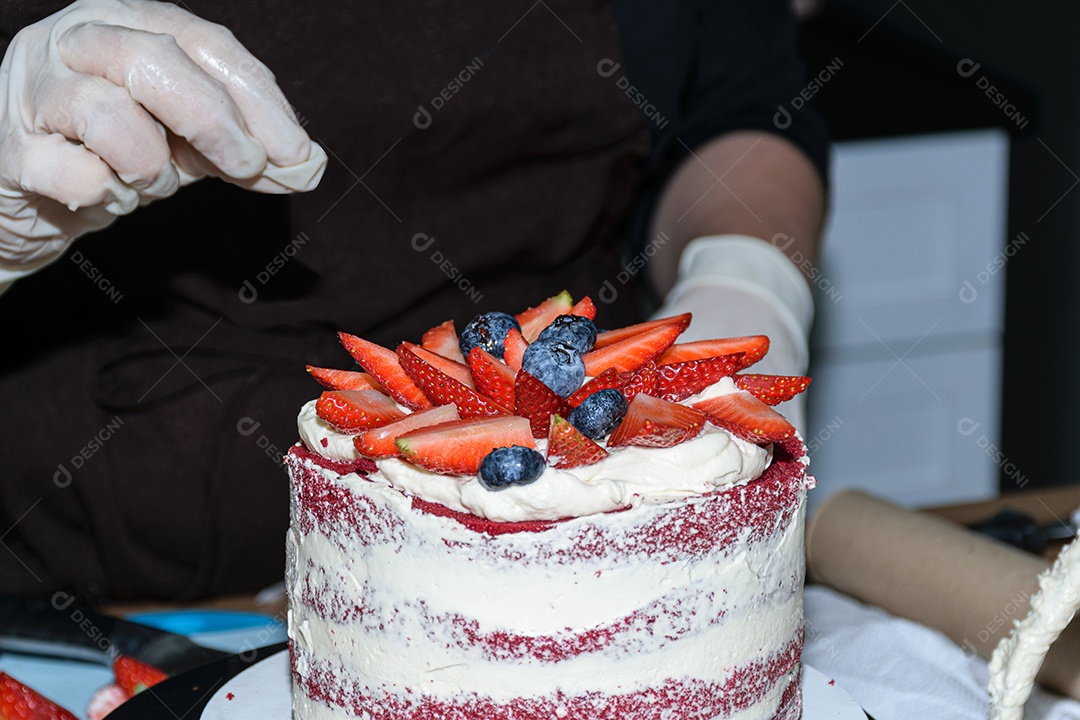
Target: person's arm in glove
(109,104)
(739,214)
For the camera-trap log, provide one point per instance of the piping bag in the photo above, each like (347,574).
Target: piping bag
(935,572)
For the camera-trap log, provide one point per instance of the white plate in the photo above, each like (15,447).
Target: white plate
(262,692)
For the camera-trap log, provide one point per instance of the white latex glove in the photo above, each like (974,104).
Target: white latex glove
(109,104)
(737,285)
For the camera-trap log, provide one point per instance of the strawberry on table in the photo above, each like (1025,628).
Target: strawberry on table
(443,339)
(492,376)
(134,676)
(631,353)
(744,416)
(19,702)
(652,422)
(460,446)
(441,389)
(351,411)
(772,389)
(104,701)
(380,442)
(343,379)
(753,348)
(383,365)
(680,380)
(568,448)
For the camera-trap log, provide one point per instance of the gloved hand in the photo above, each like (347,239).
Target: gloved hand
(737,285)
(109,104)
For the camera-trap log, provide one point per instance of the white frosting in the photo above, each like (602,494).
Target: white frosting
(629,476)
(404,605)
(700,616)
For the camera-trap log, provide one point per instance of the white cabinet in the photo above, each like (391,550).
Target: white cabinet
(906,362)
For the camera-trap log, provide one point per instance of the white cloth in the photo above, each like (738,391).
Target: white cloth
(898,670)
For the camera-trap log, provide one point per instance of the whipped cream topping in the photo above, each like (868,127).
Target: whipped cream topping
(630,476)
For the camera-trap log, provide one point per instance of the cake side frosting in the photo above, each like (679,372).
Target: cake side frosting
(693,605)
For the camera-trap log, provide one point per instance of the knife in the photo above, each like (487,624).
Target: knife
(1021,531)
(60,627)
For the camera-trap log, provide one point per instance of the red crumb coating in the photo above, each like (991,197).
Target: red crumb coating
(626,635)
(679,698)
(687,530)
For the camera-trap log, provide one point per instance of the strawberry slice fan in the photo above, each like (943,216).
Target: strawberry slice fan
(446,403)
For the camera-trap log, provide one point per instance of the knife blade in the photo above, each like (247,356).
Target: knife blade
(60,627)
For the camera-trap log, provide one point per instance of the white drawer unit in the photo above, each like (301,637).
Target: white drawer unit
(910,309)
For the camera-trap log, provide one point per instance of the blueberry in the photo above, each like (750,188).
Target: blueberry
(556,364)
(487,330)
(599,413)
(574,330)
(514,465)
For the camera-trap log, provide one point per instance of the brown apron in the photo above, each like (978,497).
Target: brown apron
(150,379)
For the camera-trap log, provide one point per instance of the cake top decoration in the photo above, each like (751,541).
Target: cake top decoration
(512,395)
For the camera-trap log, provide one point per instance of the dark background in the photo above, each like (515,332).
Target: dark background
(900,77)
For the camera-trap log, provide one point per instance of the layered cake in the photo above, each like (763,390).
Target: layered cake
(531,520)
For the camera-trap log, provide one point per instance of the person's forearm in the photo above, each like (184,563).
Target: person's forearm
(746,183)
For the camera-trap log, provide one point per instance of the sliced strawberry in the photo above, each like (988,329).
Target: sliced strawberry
(568,448)
(537,318)
(753,348)
(104,701)
(772,389)
(343,379)
(351,411)
(680,380)
(380,442)
(633,352)
(443,339)
(610,378)
(652,422)
(645,379)
(19,702)
(744,416)
(460,446)
(383,365)
(441,389)
(584,308)
(457,370)
(492,376)
(514,347)
(537,402)
(610,337)
(134,676)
